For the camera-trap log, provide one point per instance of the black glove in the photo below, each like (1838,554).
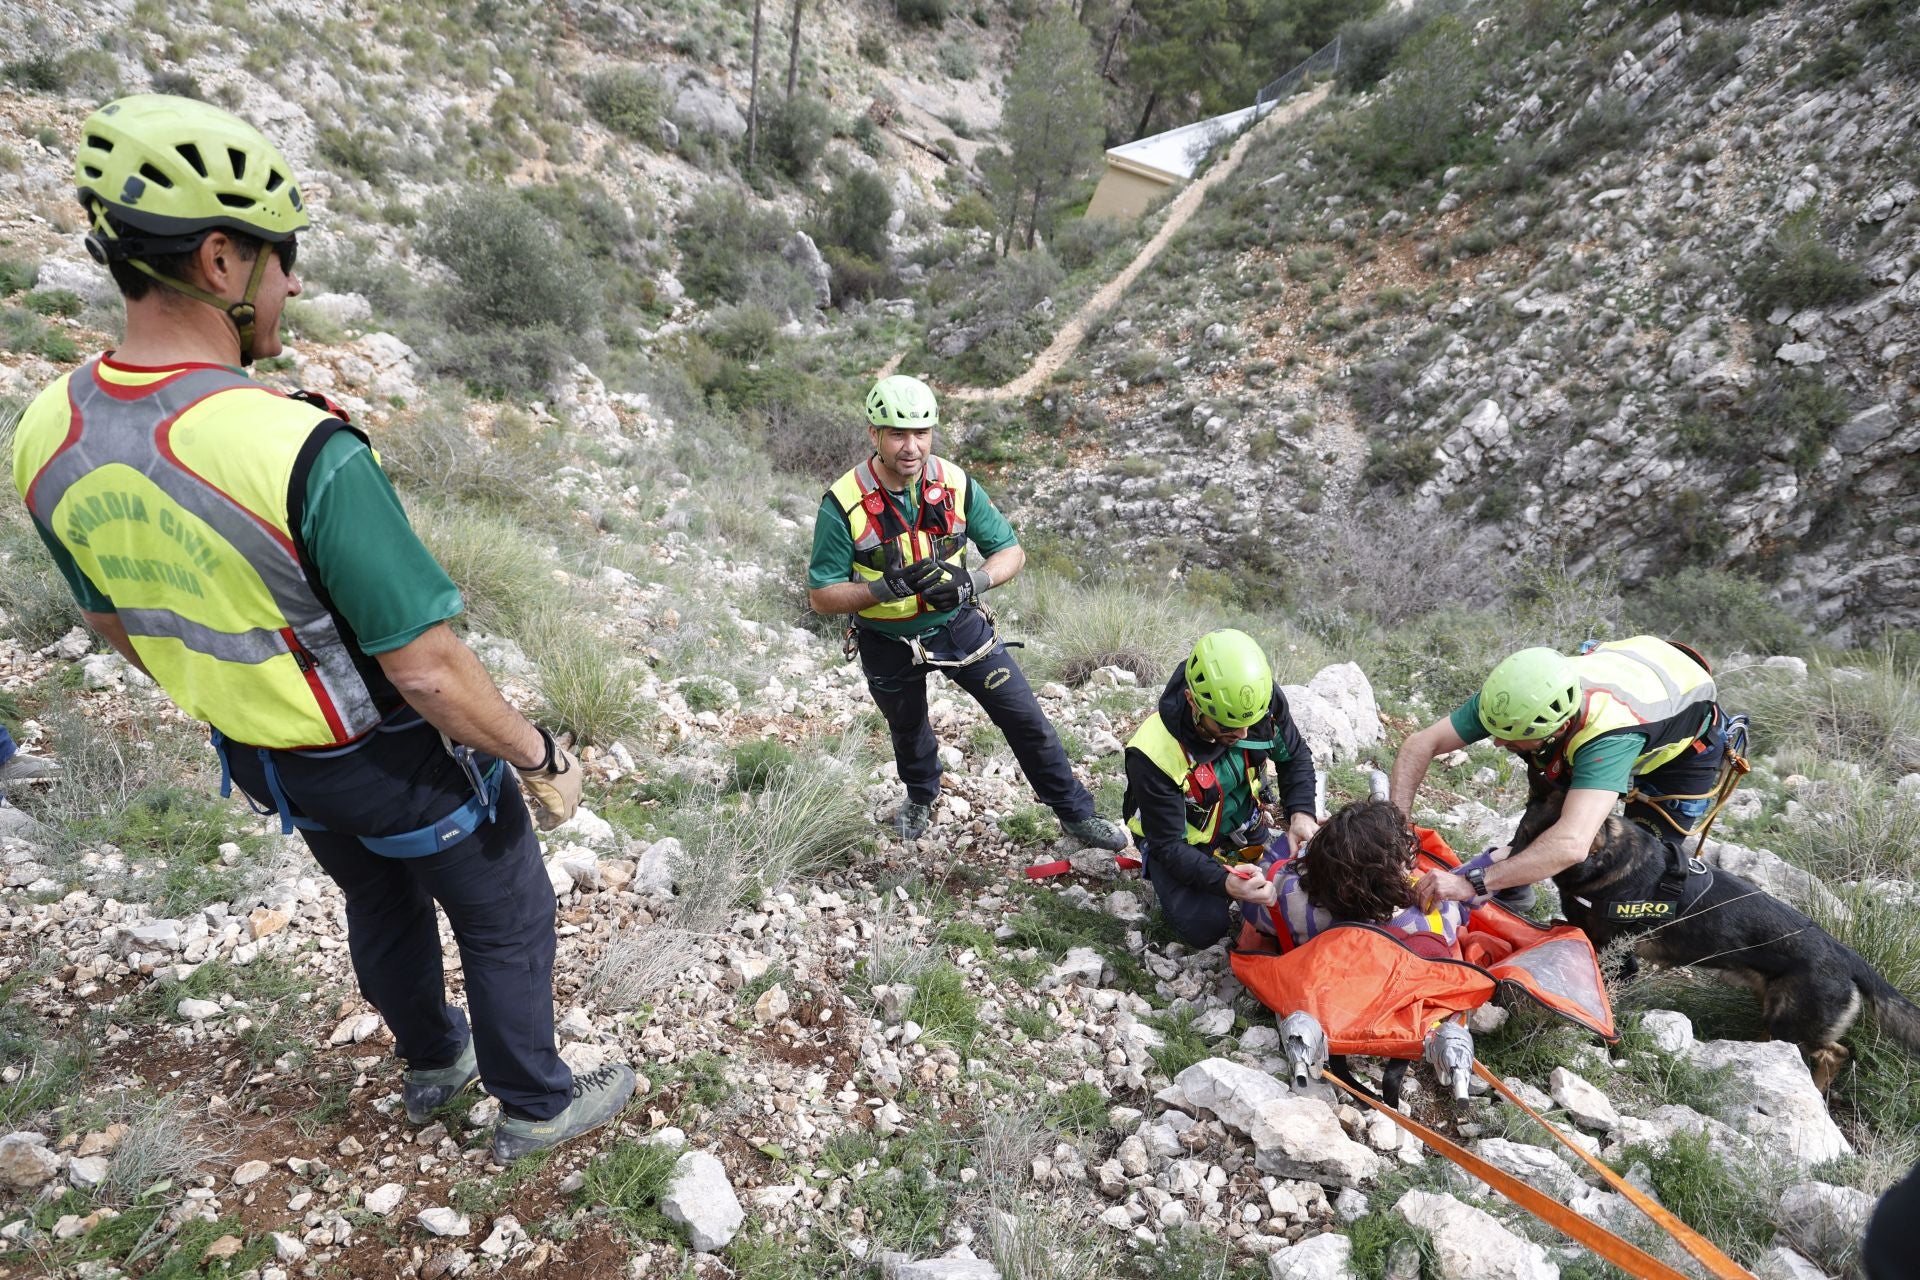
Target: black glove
(908,580)
(957,588)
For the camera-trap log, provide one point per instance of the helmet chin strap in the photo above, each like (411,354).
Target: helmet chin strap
(239,314)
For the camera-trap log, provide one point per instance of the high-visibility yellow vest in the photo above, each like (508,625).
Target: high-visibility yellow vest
(881,538)
(1641,685)
(171,488)
(1205,796)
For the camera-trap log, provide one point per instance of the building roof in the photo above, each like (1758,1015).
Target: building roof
(1178,152)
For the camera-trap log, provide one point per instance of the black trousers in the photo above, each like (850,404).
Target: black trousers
(491,885)
(898,683)
(1201,917)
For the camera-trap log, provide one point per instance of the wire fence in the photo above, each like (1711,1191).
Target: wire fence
(1325,59)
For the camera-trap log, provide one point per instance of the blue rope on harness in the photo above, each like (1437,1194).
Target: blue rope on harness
(447,832)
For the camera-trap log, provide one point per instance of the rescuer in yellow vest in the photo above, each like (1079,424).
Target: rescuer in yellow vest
(1635,715)
(890,547)
(1194,791)
(242,546)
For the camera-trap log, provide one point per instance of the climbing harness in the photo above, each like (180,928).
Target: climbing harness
(477,812)
(1623,1254)
(1733,767)
(850,647)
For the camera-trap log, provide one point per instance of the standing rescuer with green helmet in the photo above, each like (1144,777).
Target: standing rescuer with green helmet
(242,546)
(890,547)
(1635,715)
(1195,795)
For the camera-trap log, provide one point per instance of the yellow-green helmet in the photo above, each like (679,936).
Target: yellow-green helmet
(1531,695)
(1228,675)
(902,402)
(156,172)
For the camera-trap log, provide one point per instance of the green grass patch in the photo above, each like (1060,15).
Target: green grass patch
(1183,1047)
(944,1007)
(1030,825)
(1080,1109)
(1729,1202)
(1381,1239)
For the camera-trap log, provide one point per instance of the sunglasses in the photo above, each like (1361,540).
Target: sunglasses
(287,251)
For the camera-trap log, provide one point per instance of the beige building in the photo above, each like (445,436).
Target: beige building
(1141,172)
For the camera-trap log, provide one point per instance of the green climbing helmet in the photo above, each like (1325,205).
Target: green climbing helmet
(903,403)
(157,172)
(1531,695)
(1229,678)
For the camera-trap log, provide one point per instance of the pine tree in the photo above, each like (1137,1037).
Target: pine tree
(1052,122)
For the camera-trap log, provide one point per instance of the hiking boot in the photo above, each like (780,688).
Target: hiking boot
(598,1097)
(425,1092)
(1518,899)
(1100,833)
(913,820)
(21,767)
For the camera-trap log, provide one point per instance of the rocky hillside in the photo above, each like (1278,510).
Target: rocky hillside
(863,1058)
(1637,291)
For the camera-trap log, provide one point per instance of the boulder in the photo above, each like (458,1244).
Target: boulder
(1670,1031)
(1322,1257)
(1470,1243)
(1774,875)
(92,283)
(25,1162)
(1772,1099)
(1785,1264)
(1335,712)
(958,1265)
(1082,966)
(653,869)
(343,309)
(803,255)
(1582,1100)
(704,108)
(1824,1220)
(1535,1166)
(1229,1090)
(1302,1138)
(700,1198)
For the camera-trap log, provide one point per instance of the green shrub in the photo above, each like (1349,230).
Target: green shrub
(41,72)
(1609,124)
(627,1183)
(744,332)
(971,210)
(1400,465)
(627,100)
(795,132)
(1720,611)
(587,686)
(1368,48)
(1421,121)
(1800,406)
(873,47)
(1797,268)
(730,252)
(866,135)
(855,276)
(25,333)
(504,578)
(1081,242)
(760,762)
(1837,62)
(927,13)
(354,151)
(54,302)
(16,275)
(958,60)
(856,212)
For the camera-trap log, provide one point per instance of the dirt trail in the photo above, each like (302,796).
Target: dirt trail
(1074,331)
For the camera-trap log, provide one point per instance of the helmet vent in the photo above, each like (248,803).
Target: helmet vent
(99,143)
(154,176)
(191,154)
(238,159)
(93,172)
(274,179)
(235,200)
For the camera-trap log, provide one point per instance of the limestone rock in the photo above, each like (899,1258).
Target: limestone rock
(442,1221)
(1302,1138)
(1823,1220)
(1233,1092)
(197,1010)
(25,1162)
(384,1199)
(1082,966)
(700,1198)
(1583,1101)
(1322,1257)
(1671,1031)
(1772,1099)
(1471,1244)
(1535,1166)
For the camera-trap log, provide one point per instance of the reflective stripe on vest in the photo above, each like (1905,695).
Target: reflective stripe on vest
(1641,684)
(1204,804)
(870,548)
(171,495)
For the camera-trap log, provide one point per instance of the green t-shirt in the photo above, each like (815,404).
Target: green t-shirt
(1236,804)
(832,560)
(359,545)
(1604,764)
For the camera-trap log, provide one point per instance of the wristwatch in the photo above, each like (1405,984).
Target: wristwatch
(1477,877)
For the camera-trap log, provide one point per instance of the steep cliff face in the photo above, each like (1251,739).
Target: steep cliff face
(1660,312)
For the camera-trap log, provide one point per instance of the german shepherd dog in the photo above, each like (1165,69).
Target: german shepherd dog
(1811,985)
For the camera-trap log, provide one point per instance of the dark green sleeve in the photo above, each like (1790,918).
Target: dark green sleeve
(383,581)
(987,529)
(1606,764)
(832,559)
(85,594)
(1466,720)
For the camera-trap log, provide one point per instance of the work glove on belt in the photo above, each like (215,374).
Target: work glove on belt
(553,786)
(907,580)
(958,587)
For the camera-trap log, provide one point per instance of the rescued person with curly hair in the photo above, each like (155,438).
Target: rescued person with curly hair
(1360,868)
